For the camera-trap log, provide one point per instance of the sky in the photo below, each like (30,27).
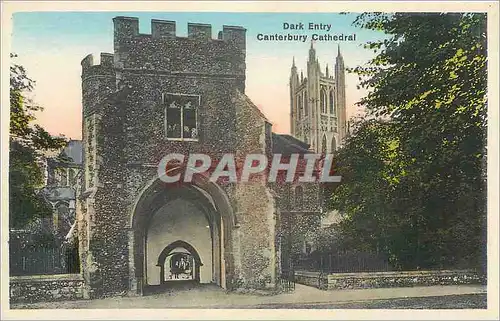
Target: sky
(50,45)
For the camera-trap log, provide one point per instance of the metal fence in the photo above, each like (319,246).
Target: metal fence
(287,280)
(36,261)
(344,263)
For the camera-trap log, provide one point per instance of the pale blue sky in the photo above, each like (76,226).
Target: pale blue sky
(51,45)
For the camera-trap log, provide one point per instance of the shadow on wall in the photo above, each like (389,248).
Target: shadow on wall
(175,221)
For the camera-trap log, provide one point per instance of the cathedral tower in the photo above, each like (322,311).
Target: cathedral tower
(318,105)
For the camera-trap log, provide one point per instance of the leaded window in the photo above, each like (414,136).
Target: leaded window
(306,104)
(323,101)
(181,116)
(332,106)
(300,108)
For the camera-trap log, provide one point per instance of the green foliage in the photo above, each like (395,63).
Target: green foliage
(27,143)
(414,183)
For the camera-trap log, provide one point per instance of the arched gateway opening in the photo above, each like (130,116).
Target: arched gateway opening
(180,231)
(179,261)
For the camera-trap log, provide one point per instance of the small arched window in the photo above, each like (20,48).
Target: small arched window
(323,101)
(305,104)
(334,144)
(332,106)
(62,219)
(299,197)
(63,177)
(299,107)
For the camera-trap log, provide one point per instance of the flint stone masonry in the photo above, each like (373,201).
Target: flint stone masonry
(162,50)
(40,288)
(125,139)
(339,281)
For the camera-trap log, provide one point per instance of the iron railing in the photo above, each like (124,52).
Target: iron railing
(287,280)
(37,261)
(344,263)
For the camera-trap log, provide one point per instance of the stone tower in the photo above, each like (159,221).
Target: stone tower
(158,94)
(318,104)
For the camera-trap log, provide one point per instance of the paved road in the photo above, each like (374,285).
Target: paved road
(462,301)
(464,296)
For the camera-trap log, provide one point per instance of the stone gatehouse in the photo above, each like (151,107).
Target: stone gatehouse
(157,94)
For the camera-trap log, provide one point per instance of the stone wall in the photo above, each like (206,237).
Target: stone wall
(256,253)
(41,288)
(339,281)
(314,279)
(197,53)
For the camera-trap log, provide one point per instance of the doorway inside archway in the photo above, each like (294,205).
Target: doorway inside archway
(178,236)
(179,267)
(179,261)
(186,223)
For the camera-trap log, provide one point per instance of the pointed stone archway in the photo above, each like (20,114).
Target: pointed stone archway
(168,251)
(209,198)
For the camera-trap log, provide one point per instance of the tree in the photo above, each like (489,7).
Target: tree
(414,184)
(27,143)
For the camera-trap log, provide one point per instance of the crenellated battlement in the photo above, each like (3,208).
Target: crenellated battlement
(98,80)
(162,28)
(106,61)
(166,55)
(128,27)
(163,50)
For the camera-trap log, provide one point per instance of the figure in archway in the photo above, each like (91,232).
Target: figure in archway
(183,261)
(180,264)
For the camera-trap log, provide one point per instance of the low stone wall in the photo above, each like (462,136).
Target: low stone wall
(39,288)
(314,279)
(339,281)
